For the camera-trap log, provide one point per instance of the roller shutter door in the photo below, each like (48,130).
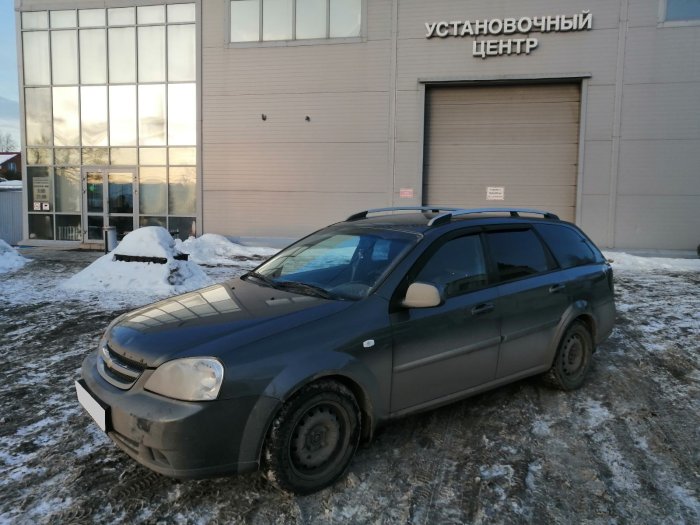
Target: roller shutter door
(521,138)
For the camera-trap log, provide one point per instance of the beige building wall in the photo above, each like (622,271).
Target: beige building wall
(638,181)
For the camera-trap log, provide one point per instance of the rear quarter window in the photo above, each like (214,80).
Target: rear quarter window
(569,247)
(517,254)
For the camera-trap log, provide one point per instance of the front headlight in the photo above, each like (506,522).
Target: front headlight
(189,379)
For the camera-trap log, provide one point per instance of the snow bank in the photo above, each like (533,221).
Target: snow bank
(11,184)
(10,260)
(109,275)
(216,250)
(625,261)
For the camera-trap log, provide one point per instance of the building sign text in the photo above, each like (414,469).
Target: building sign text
(508,26)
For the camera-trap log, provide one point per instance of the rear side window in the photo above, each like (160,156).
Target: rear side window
(517,254)
(569,247)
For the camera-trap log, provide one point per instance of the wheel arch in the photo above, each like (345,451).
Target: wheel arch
(579,311)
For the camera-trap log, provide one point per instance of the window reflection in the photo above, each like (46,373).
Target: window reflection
(66,116)
(153,221)
(180,13)
(35,20)
(182,156)
(68,156)
(182,114)
(181,194)
(152,115)
(245,20)
(152,191)
(64,57)
(91,17)
(95,191)
(123,156)
(36,58)
(68,228)
(151,54)
(121,16)
(122,115)
(93,111)
(182,227)
(212,301)
(37,111)
(39,156)
(346,18)
(181,53)
(311,18)
(39,189)
(150,14)
(152,156)
(277,19)
(41,226)
(67,189)
(122,55)
(120,189)
(93,56)
(61,19)
(96,156)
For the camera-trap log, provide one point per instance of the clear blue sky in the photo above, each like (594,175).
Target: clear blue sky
(8,51)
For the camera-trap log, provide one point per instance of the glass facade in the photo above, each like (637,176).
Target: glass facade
(110,108)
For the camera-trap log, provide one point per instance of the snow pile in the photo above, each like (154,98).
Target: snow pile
(11,184)
(10,260)
(625,261)
(212,249)
(107,274)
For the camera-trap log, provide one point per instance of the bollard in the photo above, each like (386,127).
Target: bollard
(110,233)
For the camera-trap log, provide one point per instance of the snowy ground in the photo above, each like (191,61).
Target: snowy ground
(624,449)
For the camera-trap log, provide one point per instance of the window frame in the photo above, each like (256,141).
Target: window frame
(663,22)
(362,37)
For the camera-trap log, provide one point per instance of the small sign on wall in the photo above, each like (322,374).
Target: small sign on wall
(406,193)
(495,193)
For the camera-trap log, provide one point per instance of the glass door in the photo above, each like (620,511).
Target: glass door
(109,201)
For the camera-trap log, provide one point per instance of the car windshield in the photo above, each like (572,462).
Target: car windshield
(340,263)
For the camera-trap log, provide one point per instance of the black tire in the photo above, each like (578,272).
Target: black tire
(313,438)
(573,359)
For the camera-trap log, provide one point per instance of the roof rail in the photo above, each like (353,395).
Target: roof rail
(433,209)
(446,213)
(514,212)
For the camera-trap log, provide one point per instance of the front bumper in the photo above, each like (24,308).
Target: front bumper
(179,438)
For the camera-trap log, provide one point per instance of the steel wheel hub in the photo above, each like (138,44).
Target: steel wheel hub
(315,438)
(573,356)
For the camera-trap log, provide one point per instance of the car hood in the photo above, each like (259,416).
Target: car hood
(239,311)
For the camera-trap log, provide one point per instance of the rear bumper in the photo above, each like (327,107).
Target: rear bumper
(178,438)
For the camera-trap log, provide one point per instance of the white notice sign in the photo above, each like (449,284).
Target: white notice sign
(495,193)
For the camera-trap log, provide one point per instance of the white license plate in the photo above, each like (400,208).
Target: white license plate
(93,407)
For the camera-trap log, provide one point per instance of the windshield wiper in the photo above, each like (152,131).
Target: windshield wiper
(305,288)
(264,278)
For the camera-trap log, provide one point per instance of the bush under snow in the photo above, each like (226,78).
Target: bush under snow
(10,260)
(107,274)
(212,249)
(625,261)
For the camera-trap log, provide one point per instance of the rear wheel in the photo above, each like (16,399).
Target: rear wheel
(313,438)
(573,359)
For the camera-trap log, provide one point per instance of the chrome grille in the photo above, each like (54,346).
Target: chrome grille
(117,370)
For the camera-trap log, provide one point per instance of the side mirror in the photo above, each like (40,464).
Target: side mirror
(422,295)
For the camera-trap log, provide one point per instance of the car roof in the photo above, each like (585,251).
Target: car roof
(431,220)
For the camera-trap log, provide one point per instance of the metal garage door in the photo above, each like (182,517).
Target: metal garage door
(521,141)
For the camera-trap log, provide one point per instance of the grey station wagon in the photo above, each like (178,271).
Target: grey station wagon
(388,313)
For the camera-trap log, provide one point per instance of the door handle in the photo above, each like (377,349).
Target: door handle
(556,288)
(483,309)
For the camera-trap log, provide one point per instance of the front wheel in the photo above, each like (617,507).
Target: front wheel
(313,438)
(573,359)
